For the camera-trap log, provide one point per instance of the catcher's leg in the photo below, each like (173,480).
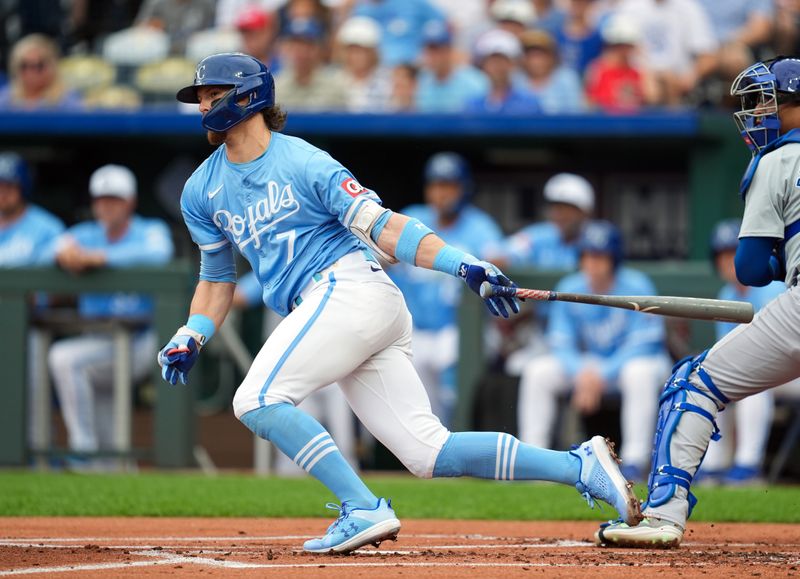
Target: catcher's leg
(753,358)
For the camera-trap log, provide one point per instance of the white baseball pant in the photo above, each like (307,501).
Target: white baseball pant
(352,328)
(82,371)
(640,383)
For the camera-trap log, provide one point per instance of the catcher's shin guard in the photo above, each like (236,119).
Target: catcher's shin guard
(664,476)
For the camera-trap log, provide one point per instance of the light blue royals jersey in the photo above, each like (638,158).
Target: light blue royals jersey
(286,213)
(610,334)
(147,242)
(540,246)
(758,296)
(432,297)
(30,240)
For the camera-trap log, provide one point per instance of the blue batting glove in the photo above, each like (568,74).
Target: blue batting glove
(177,358)
(477,273)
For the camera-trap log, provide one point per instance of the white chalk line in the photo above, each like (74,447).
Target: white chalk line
(410,548)
(165,557)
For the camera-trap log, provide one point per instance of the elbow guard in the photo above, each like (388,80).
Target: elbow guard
(364,215)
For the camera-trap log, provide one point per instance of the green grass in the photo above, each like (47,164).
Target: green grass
(154,494)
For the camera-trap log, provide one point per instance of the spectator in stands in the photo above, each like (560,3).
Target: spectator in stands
(82,366)
(678,44)
(316,10)
(445,85)
(178,18)
(404,88)
(747,22)
(549,16)
(615,81)
(578,38)
(402,22)
(35,83)
(432,297)
(328,405)
(558,88)
(27,232)
(787,26)
(497,52)
(92,20)
(305,83)
(752,416)
(599,350)
(257,27)
(741,27)
(515,16)
(369,84)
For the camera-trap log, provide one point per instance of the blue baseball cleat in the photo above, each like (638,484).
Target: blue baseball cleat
(601,479)
(356,527)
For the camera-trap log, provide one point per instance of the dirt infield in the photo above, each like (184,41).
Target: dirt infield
(149,547)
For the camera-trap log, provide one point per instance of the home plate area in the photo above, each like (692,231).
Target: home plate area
(135,547)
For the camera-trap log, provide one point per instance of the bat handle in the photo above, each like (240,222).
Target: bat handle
(489,290)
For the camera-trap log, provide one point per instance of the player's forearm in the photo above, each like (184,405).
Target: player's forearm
(427,250)
(213,300)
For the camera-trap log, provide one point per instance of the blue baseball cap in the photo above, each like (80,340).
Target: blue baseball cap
(304,28)
(436,33)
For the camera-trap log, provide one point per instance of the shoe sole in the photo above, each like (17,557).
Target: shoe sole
(604,451)
(384,531)
(640,538)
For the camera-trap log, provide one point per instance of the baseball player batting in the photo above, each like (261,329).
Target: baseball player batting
(752,358)
(310,232)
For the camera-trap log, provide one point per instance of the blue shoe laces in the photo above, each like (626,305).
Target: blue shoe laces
(344,512)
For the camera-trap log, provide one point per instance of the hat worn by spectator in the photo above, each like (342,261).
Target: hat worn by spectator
(436,33)
(520,11)
(570,189)
(499,42)
(253,18)
(304,29)
(621,29)
(113,181)
(538,39)
(360,31)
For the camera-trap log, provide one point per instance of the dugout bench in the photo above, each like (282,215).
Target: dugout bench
(171,288)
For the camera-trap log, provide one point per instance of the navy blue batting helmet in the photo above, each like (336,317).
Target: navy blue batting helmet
(761,88)
(246,76)
(453,168)
(601,237)
(725,237)
(14,169)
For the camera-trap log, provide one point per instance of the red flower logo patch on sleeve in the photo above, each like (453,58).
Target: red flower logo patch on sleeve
(353,187)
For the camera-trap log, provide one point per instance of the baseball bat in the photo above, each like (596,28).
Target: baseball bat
(680,307)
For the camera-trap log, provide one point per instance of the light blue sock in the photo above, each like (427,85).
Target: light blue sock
(300,437)
(496,455)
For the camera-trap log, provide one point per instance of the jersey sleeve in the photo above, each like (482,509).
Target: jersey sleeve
(763,209)
(336,187)
(153,247)
(202,228)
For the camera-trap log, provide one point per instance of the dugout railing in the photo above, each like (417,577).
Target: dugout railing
(171,288)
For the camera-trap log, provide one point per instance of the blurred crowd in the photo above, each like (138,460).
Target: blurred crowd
(472,56)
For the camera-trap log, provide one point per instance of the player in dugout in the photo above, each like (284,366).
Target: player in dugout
(754,357)
(310,231)
(433,297)
(595,350)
